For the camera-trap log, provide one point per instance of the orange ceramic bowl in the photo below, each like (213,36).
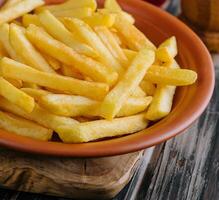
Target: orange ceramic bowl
(189,101)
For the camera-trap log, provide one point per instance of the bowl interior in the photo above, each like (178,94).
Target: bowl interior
(189,102)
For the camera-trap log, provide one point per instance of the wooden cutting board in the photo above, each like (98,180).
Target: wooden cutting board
(91,178)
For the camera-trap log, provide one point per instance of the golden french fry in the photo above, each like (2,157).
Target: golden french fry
(167,50)
(130,54)
(9,3)
(116,37)
(18,9)
(71,72)
(30,85)
(162,100)
(108,39)
(170,76)
(94,41)
(35,93)
(134,38)
(12,69)
(138,92)
(79,13)
(28,19)
(86,66)
(17,22)
(125,15)
(128,17)
(148,87)
(26,51)
(70,4)
(24,127)
(114,100)
(134,105)
(55,64)
(68,105)
(3,52)
(72,106)
(112,5)
(98,19)
(16,96)
(15,82)
(38,115)
(4,38)
(89,131)
(55,28)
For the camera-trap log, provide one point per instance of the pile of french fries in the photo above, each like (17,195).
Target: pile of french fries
(82,72)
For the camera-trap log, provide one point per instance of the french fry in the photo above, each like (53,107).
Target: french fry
(94,41)
(12,69)
(162,101)
(15,82)
(79,13)
(35,93)
(30,85)
(71,72)
(112,6)
(18,9)
(55,28)
(38,115)
(73,106)
(134,38)
(130,54)
(170,76)
(24,127)
(128,17)
(148,87)
(55,64)
(115,99)
(98,19)
(167,50)
(134,105)
(4,38)
(3,52)
(17,22)
(70,4)
(116,37)
(28,19)
(86,66)
(9,3)
(125,15)
(108,39)
(16,96)
(26,51)
(68,105)
(89,131)
(138,92)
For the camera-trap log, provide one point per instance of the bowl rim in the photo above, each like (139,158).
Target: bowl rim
(130,143)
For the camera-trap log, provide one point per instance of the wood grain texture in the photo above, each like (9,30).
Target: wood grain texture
(100,178)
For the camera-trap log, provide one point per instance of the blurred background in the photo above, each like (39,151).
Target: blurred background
(201,15)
